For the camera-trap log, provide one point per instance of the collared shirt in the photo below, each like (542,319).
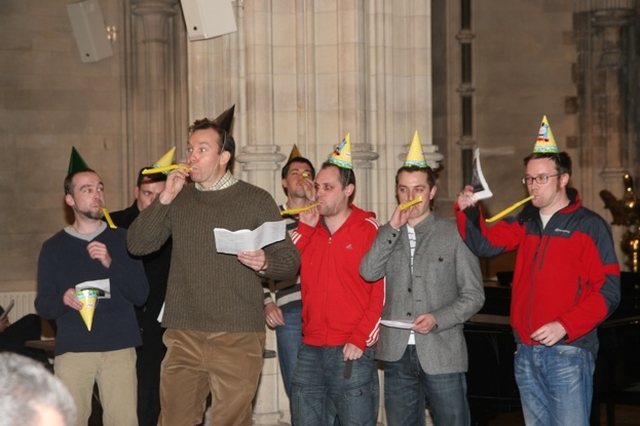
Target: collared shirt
(411,233)
(224,182)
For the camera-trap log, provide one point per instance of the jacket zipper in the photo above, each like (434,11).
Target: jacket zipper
(579,292)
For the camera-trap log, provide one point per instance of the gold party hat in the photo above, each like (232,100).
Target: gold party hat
(341,156)
(415,156)
(166,160)
(545,143)
(294,153)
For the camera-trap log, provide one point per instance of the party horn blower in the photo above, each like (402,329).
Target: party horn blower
(165,169)
(89,299)
(298,209)
(413,202)
(508,210)
(107,217)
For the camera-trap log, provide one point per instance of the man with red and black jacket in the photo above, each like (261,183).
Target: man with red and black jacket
(566,282)
(336,374)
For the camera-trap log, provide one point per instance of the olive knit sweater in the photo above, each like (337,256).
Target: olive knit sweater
(209,291)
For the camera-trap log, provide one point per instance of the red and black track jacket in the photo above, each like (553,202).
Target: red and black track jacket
(567,272)
(338,305)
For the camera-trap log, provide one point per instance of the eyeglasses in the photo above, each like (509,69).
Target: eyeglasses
(540,179)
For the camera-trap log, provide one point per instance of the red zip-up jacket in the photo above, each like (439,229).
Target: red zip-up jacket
(567,272)
(338,305)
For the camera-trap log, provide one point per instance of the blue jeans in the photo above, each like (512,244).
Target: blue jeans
(289,338)
(321,393)
(407,387)
(555,383)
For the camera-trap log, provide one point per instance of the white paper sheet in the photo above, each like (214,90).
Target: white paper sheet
(480,187)
(246,240)
(404,324)
(103,287)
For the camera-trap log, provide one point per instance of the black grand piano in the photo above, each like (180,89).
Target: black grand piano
(491,384)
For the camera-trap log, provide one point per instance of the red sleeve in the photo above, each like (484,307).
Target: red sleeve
(301,236)
(367,331)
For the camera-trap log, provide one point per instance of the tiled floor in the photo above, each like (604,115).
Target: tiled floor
(625,415)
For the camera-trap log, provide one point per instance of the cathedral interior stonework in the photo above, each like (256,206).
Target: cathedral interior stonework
(465,74)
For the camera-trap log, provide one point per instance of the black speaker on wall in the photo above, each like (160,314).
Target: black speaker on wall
(89,30)
(208,18)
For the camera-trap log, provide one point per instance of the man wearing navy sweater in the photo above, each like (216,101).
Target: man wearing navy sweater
(84,252)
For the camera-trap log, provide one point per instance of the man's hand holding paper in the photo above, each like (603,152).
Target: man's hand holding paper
(256,259)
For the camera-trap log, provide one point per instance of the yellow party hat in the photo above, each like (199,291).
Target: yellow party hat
(341,156)
(545,143)
(294,153)
(89,299)
(166,159)
(415,156)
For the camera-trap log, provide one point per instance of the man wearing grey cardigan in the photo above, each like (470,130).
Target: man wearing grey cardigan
(433,285)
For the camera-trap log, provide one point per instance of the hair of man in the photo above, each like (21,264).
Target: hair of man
(285,169)
(68,181)
(28,390)
(153,177)
(561,160)
(431,176)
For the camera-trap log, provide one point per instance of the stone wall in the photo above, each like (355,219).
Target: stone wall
(49,102)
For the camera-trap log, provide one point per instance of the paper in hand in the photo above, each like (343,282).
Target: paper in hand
(234,242)
(480,188)
(102,286)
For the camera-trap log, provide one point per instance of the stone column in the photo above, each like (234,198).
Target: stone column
(603,146)
(309,72)
(612,109)
(612,103)
(153,72)
(466,90)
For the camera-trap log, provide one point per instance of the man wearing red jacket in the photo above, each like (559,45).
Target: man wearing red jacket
(336,375)
(566,282)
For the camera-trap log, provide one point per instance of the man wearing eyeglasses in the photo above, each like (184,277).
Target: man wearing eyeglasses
(566,282)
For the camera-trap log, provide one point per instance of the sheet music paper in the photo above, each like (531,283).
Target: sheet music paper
(480,187)
(233,242)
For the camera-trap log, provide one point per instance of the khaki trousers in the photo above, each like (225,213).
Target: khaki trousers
(115,374)
(226,364)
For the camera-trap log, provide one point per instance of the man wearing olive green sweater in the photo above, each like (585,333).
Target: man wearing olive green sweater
(214,304)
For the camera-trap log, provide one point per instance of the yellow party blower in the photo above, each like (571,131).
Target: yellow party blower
(508,210)
(107,217)
(298,209)
(413,202)
(165,169)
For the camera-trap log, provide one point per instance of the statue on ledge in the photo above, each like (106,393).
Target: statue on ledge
(626,212)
